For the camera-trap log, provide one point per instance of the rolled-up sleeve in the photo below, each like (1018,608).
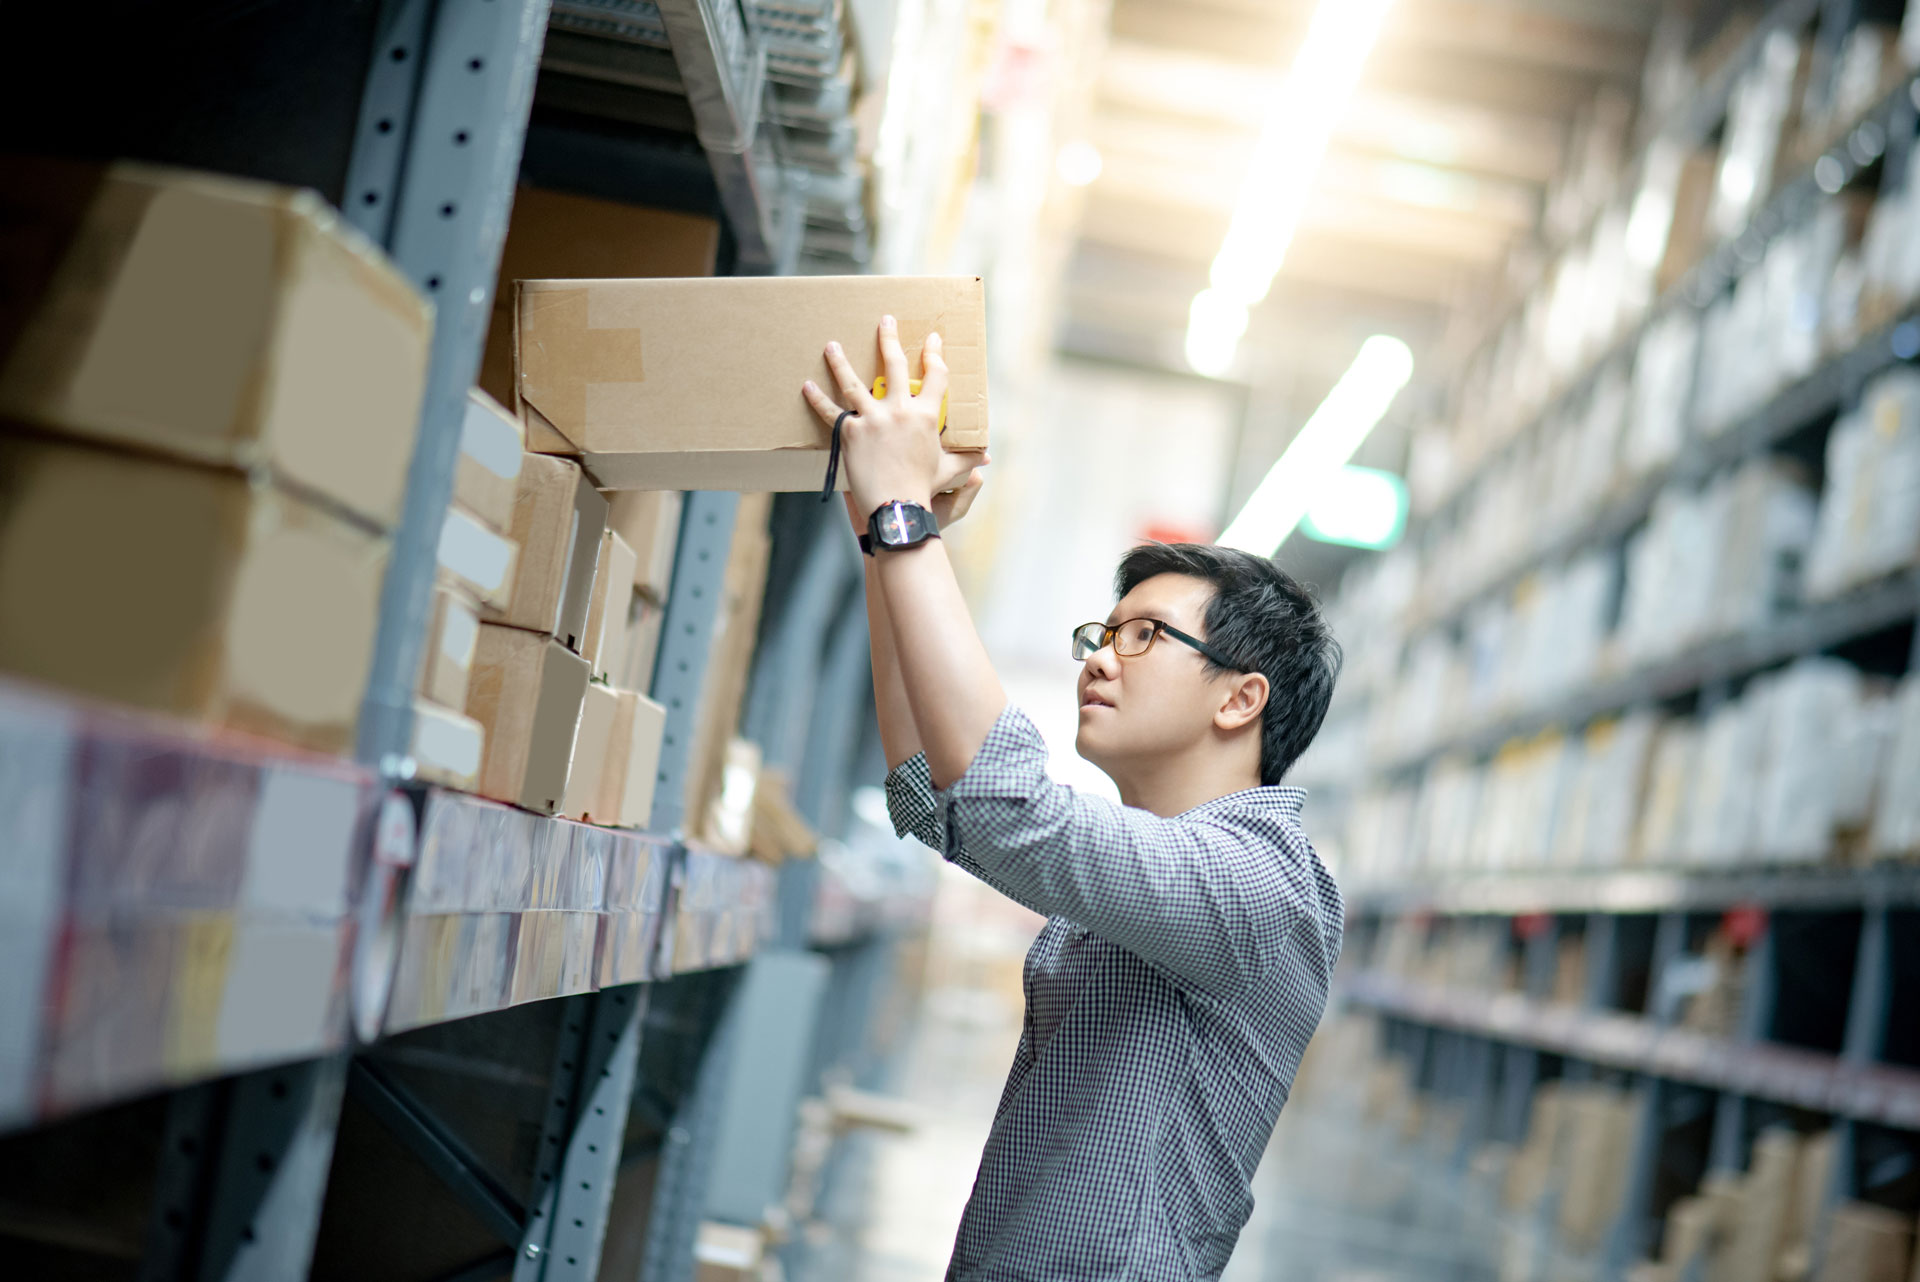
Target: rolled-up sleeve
(1211,904)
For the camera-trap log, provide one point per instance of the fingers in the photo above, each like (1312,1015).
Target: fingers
(823,405)
(954,467)
(852,390)
(963,498)
(933,366)
(893,361)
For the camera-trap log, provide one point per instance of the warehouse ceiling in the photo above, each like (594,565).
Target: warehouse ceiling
(1439,164)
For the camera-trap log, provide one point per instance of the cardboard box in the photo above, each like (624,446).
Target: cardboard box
(590,744)
(561,235)
(727,1253)
(649,520)
(446,661)
(642,644)
(447,748)
(487,474)
(478,560)
(605,640)
(1866,1243)
(527,691)
(695,384)
(557,520)
(187,590)
(633,761)
(778,830)
(213,319)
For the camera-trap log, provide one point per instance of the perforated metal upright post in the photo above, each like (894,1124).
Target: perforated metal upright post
(693,602)
(680,1189)
(443,121)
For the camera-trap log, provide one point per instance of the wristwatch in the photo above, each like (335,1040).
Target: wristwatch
(898,525)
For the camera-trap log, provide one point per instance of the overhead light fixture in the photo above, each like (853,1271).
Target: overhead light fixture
(1078,163)
(1299,119)
(1358,507)
(1323,446)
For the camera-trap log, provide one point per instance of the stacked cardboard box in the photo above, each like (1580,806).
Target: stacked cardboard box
(478,564)
(529,678)
(649,522)
(197,502)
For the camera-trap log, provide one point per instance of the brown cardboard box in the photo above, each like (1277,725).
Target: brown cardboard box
(447,747)
(604,643)
(778,830)
(560,235)
(1866,1243)
(695,384)
(633,761)
(527,691)
(590,744)
(213,319)
(642,644)
(649,520)
(727,1253)
(478,560)
(446,661)
(557,520)
(487,474)
(1600,1127)
(1812,1180)
(185,589)
(1755,1236)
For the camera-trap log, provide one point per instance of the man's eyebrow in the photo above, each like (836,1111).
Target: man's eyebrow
(1155,615)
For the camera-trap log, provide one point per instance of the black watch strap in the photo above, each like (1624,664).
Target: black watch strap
(866,543)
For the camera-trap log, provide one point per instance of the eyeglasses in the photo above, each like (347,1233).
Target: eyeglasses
(1135,637)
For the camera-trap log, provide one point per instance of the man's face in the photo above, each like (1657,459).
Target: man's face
(1152,705)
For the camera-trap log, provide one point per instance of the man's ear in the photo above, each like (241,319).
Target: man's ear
(1245,702)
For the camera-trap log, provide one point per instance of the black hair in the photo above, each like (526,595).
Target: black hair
(1262,619)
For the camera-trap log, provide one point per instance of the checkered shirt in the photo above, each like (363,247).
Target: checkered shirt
(1183,968)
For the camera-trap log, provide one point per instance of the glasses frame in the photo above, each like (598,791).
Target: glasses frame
(1107,632)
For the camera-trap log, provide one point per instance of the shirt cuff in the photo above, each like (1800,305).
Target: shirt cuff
(910,796)
(1011,762)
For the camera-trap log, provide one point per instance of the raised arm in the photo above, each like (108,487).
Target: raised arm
(893,452)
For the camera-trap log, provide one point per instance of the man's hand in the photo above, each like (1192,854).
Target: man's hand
(892,445)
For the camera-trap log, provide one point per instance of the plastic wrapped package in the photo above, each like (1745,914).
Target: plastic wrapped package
(1890,250)
(1798,800)
(1721,817)
(1670,567)
(1756,116)
(1657,413)
(1869,520)
(1770,515)
(1896,817)
(1863,744)
(1617,758)
(1448,798)
(1664,820)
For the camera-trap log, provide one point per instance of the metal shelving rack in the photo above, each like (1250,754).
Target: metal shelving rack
(1823,1032)
(275,1012)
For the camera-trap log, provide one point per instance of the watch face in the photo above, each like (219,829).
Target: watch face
(900,524)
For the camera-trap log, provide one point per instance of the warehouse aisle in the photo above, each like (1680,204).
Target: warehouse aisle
(1339,1198)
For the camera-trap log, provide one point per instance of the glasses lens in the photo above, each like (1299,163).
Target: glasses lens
(1133,637)
(1086,640)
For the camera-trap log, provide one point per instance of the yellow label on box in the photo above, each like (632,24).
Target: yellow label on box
(913,389)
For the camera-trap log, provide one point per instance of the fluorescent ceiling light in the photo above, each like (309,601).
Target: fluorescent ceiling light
(1358,507)
(1078,163)
(1323,446)
(1299,119)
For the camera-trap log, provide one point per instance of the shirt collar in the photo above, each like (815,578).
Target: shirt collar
(1281,797)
